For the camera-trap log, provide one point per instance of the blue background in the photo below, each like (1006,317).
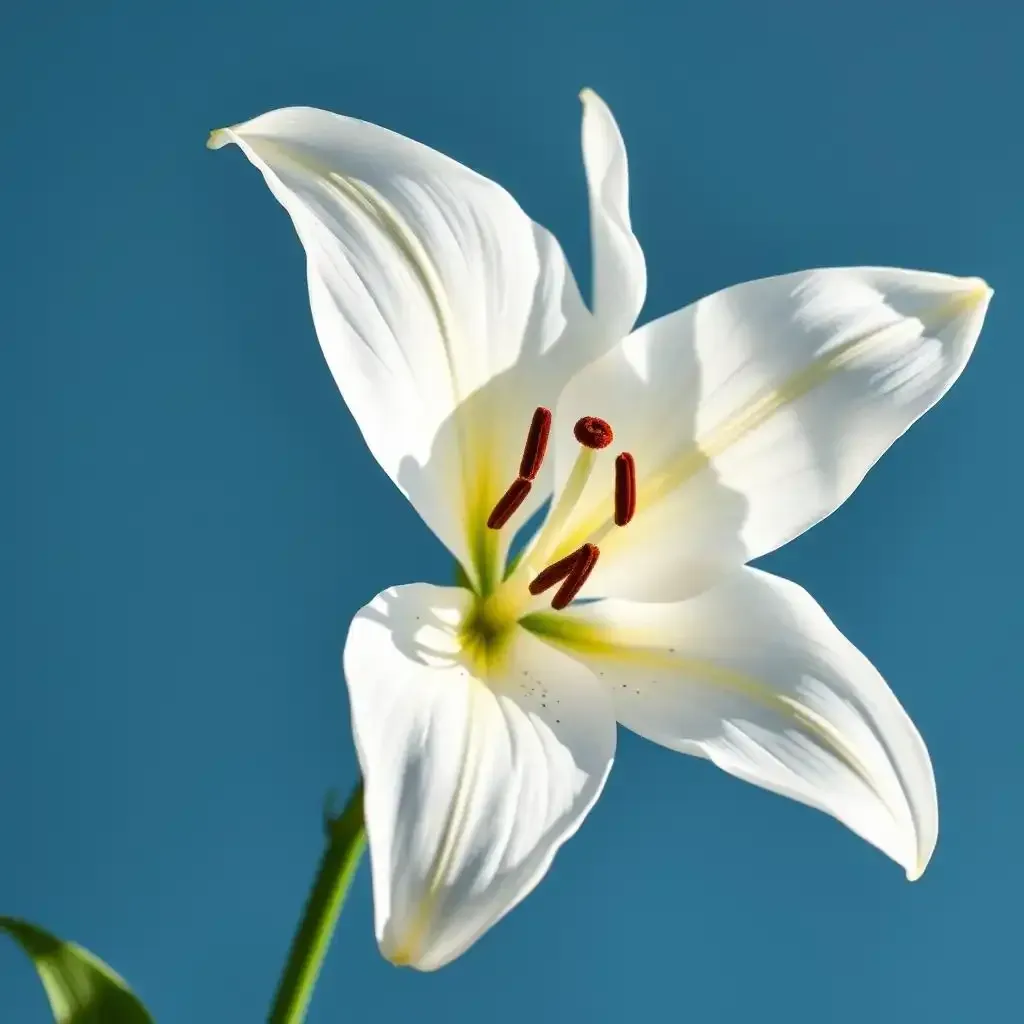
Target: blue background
(191,519)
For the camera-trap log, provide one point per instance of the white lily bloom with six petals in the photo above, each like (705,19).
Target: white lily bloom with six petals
(485,716)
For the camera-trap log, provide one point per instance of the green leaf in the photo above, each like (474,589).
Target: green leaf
(81,988)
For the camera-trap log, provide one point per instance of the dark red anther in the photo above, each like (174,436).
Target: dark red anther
(554,573)
(508,503)
(625,488)
(536,443)
(592,432)
(586,559)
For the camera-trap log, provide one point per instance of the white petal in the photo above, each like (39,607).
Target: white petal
(753,675)
(471,784)
(755,412)
(620,273)
(428,284)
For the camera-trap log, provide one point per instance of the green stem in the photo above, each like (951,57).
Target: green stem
(346,841)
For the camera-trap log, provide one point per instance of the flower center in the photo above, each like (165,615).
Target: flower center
(486,632)
(572,571)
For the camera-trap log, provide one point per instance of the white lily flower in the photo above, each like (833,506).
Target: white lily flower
(485,716)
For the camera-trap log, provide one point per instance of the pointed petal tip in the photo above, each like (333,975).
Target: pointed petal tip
(979,289)
(397,958)
(916,870)
(589,98)
(971,297)
(218,138)
(918,866)
(971,292)
(397,952)
(408,950)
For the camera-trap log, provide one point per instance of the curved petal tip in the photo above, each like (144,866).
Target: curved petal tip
(917,869)
(980,289)
(970,296)
(218,138)
(978,284)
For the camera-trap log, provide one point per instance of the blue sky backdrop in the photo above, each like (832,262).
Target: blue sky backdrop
(191,519)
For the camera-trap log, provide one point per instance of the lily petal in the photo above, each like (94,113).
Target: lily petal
(755,412)
(620,273)
(753,675)
(428,284)
(473,779)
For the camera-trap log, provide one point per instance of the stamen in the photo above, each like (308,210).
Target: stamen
(536,443)
(625,488)
(508,503)
(554,573)
(593,432)
(586,559)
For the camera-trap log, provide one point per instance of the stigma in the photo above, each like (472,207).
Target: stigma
(593,432)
